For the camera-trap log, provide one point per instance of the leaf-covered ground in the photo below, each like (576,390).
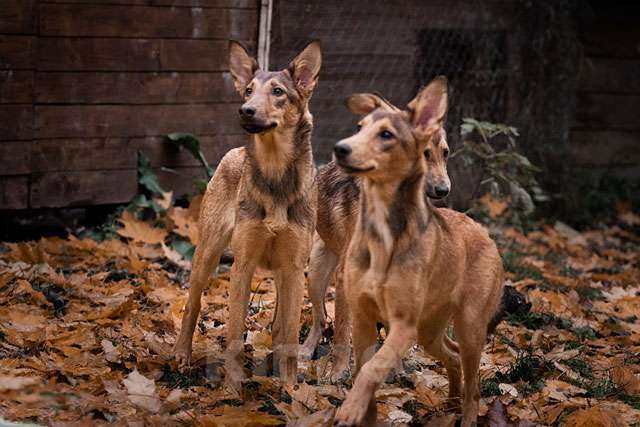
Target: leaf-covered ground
(86,329)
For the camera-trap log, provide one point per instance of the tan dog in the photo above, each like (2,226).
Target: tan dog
(410,265)
(262,199)
(338,210)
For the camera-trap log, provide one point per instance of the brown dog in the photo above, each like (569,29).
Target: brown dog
(338,209)
(262,199)
(410,265)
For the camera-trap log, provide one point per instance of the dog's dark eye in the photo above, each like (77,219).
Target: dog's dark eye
(427,154)
(277,91)
(446,153)
(358,127)
(248,91)
(385,134)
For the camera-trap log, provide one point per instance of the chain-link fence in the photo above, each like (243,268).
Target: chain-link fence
(513,62)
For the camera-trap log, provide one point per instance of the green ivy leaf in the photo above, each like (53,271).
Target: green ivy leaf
(146,177)
(190,143)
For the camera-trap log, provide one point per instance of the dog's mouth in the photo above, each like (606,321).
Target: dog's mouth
(257,127)
(352,169)
(434,196)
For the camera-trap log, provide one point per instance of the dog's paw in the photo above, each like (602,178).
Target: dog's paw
(233,386)
(182,355)
(355,412)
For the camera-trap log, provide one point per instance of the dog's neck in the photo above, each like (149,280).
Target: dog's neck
(281,161)
(390,207)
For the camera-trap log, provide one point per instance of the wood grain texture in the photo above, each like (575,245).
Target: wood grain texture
(242,4)
(88,121)
(17,17)
(16,122)
(133,88)
(15,157)
(82,154)
(14,192)
(112,54)
(16,87)
(58,189)
(126,21)
(17,52)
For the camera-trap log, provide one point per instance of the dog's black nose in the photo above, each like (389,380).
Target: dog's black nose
(441,190)
(247,111)
(342,150)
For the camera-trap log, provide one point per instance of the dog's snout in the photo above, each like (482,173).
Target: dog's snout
(342,150)
(442,190)
(247,111)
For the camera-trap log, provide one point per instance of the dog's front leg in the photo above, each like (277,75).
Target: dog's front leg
(239,290)
(216,227)
(286,325)
(359,408)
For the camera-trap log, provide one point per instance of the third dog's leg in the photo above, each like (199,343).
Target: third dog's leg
(341,352)
(322,265)
(471,335)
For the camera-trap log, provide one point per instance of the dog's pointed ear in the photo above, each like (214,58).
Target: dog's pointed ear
(241,65)
(305,68)
(429,107)
(364,103)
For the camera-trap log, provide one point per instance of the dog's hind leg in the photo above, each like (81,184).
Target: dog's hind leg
(215,229)
(432,336)
(341,351)
(471,335)
(322,266)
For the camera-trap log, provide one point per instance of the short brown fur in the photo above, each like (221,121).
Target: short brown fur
(427,266)
(338,210)
(262,201)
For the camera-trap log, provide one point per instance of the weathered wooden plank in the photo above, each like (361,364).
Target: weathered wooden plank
(16,52)
(15,157)
(610,75)
(61,189)
(17,17)
(149,22)
(16,87)
(133,88)
(134,120)
(99,54)
(194,55)
(16,122)
(601,148)
(79,154)
(214,147)
(237,4)
(14,192)
(607,112)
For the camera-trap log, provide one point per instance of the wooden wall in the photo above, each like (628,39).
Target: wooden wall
(86,84)
(605,136)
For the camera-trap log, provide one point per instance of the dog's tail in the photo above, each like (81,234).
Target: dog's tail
(512,302)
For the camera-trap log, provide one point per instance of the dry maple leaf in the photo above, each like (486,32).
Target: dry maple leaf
(140,231)
(142,391)
(594,417)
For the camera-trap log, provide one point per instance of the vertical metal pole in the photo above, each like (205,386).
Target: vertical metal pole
(264,33)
